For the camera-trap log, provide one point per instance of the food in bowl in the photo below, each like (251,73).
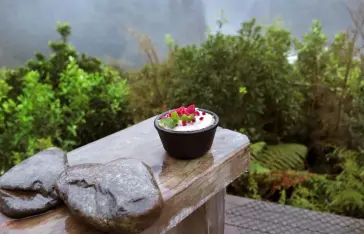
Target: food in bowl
(186,119)
(187,132)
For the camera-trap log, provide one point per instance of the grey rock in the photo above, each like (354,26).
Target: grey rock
(23,204)
(28,188)
(121,196)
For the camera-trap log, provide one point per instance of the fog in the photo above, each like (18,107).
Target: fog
(100,27)
(297,15)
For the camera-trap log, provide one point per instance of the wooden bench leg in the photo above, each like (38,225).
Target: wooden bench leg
(208,219)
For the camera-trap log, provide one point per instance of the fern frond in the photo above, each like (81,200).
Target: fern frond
(283,157)
(257,148)
(256,168)
(348,199)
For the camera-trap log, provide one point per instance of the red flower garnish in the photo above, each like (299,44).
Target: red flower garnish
(180,111)
(187,115)
(190,109)
(184,111)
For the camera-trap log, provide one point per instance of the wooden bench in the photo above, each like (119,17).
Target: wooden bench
(193,191)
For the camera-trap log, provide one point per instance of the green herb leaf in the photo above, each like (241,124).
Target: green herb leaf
(184,117)
(174,116)
(168,122)
(188,117)
(191,117)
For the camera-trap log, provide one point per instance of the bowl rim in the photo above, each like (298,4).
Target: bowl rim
(214,125)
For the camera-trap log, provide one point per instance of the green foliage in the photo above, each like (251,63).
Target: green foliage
(257,148)
(269,174)
(343,194)
(249,72)
(331,80)
(256,168)
(282,157)
(283,197)
(272,168)
(303,197)
(65,100)
(253,188)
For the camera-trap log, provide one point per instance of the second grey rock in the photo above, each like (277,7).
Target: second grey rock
(121,196)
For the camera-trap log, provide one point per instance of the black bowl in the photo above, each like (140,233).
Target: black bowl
(187,145)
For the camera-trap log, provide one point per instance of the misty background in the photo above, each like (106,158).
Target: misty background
(102,28)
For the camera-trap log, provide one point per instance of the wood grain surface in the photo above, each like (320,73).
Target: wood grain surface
(207,219)
(185,185)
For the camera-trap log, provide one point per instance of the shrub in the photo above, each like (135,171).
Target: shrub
(245,78)
(65,100)
(343,194)
(332,82)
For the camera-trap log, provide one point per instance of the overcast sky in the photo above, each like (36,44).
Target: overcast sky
(99,27)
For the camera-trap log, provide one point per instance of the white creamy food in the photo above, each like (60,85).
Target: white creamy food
(202,121)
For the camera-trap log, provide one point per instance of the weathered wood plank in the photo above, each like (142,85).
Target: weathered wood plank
(216,213)
(185,185)
(207,219)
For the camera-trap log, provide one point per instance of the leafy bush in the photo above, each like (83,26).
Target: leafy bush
(246,79)
(332,83)
(343,194)
(66,100)
(273,169)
